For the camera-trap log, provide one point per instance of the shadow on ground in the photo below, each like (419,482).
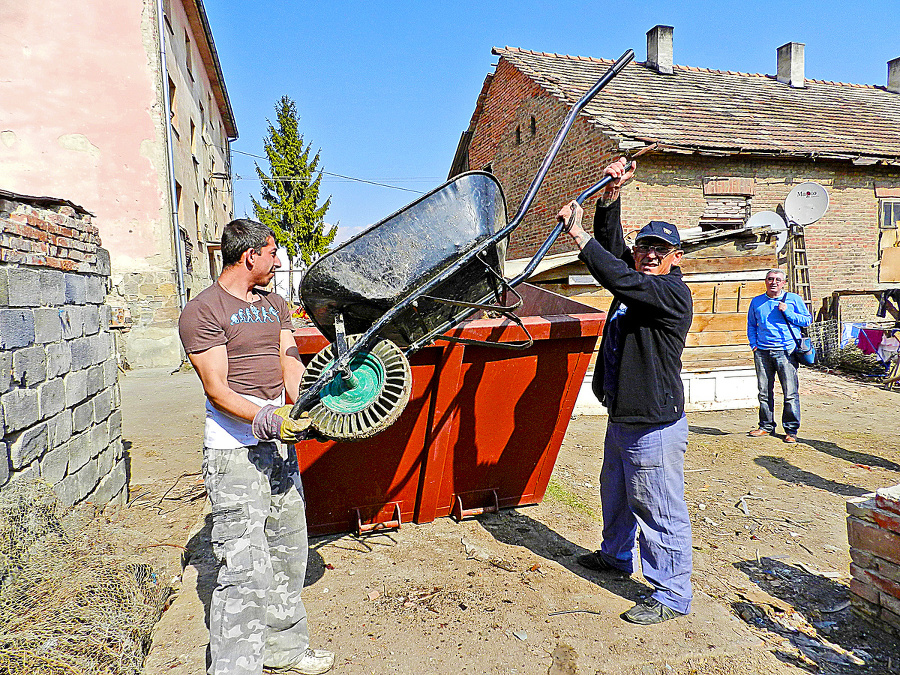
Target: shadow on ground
(820,633)
(517,529)
(782,469)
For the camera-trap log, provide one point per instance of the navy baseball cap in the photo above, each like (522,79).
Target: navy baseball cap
(658,229)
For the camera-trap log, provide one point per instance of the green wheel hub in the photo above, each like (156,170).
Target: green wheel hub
(351,397)
(370,401)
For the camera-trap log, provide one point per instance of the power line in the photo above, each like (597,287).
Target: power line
(326,173)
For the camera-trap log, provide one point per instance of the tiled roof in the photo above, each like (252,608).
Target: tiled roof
(724,111)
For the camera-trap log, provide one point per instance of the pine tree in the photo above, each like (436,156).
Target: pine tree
(290,192)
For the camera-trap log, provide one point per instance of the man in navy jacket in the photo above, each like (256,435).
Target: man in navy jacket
(638,378)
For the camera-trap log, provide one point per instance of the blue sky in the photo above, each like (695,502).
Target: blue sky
(385,88)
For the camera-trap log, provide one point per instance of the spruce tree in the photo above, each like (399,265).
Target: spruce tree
(290,192)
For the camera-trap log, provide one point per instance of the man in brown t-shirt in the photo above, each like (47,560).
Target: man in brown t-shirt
(239,339)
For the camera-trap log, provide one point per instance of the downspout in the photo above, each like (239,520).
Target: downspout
(170,156)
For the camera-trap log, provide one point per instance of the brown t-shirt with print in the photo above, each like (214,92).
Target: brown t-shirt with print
(250,331)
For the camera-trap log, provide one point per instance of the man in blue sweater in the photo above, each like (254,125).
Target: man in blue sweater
(638,378)
(773,345)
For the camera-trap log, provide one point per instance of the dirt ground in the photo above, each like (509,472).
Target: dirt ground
(502,593)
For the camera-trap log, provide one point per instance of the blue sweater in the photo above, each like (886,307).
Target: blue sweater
(766,325)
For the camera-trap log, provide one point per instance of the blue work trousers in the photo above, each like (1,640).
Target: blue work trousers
(642,488)
(771,362)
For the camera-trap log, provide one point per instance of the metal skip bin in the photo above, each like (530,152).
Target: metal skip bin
(482,429)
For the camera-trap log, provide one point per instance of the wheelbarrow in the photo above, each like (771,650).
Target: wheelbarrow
(408,280)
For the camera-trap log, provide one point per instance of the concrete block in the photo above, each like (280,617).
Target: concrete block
(111,486)
(16,328)
(24,287)
(82,416)
(103,346)
(5,468)
(104,268)
(76,387)
(82,354)
(95,291)
(67,491)
(29,473)
(54,464)
(105,317)
(59,359)
(5,372)
(53,288)
(115,425)
(99,439)
(30,366)
(106,460)
(87,478)
(47,325)
(80,451)
(59,428)
(103,404)
(21,408)
(71,321)
(52,397)
(94,379)
(90,315)
(26,446)
(76,289)
(110,372)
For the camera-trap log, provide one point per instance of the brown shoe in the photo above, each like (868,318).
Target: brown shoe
(756,433)
(790,439)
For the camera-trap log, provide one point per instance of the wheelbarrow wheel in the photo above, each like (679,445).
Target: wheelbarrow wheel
(368,404)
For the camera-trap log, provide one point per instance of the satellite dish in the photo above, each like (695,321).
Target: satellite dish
(806,203)
(773,221)
(767,219)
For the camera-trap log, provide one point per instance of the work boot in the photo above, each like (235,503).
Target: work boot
(313,662)
(756,433)
(790,438)
(650,611)
(594,561)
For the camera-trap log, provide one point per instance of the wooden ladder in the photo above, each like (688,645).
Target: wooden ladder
(798,266)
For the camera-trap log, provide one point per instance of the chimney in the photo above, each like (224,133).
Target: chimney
(659,49)
(790,64)
(894,76)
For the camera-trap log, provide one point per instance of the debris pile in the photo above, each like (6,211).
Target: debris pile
(70,602)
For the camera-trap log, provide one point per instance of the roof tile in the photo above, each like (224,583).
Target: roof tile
(729,111)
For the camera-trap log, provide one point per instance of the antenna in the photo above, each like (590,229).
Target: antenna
(806,203)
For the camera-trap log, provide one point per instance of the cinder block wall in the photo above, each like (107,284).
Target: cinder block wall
(842,246)
(873,530)
(59,392)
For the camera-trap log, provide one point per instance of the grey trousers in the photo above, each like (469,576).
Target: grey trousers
(259,536)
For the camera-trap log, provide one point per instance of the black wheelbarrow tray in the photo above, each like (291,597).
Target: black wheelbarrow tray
(407,280)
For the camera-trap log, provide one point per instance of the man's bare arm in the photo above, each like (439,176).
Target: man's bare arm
(212,367)
(291,366)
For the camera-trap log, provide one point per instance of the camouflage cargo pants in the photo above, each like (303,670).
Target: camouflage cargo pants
(259,535)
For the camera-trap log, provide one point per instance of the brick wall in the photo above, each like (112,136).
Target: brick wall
(842,246)
(873,530)
(59,392)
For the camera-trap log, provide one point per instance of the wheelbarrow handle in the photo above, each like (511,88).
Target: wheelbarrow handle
(599,185)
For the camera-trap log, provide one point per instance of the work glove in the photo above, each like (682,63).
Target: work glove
(272,423)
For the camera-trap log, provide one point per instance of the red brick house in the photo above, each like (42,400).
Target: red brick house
(728,145)
(772,131)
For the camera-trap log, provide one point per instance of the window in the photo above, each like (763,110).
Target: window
(167,12)
(533,126)
(197,220)
(193,138)
(518,136)
(173,106)
(888,221)
(187,54)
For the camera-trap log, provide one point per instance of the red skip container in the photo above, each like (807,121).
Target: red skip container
(482,429)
